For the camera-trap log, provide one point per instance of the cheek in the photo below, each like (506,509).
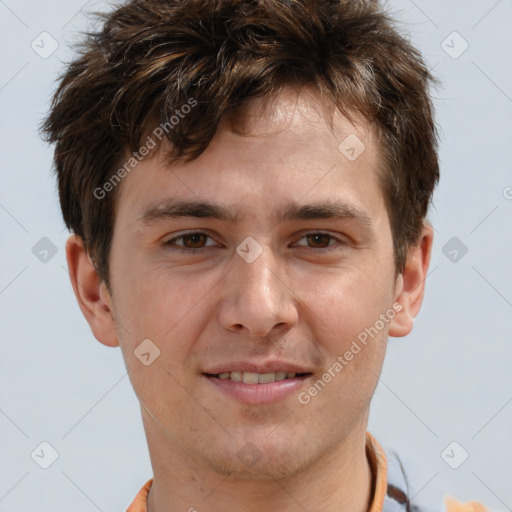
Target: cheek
(348,326)
(157,303)
(171,313)
(344,303)
(158,333)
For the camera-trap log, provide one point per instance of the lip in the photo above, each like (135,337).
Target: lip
(259,394)
(254,367)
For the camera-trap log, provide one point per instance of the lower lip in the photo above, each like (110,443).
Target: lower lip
(259,393)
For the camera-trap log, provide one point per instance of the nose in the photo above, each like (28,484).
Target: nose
(256,297)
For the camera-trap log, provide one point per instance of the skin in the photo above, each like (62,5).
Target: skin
(304,299)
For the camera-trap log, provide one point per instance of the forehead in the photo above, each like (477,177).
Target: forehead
(276,149)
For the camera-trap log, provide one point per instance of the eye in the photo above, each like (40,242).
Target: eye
(319,240)
(195,240)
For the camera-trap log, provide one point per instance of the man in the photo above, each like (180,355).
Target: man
(247,183)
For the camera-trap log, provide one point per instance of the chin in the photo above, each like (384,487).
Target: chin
(263,459)
(267,468)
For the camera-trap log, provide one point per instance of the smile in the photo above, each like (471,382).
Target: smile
(256,378)
(258,388)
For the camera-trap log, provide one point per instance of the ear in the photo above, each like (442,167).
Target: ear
(410,285)
(91,292)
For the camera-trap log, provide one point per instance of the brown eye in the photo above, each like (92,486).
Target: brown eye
(194,240)
(190,241)
(318,240)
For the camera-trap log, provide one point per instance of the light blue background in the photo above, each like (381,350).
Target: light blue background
(450,380)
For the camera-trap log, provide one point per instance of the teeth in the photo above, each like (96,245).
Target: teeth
(237,376)
(250,378)
(266,378)
(256,378)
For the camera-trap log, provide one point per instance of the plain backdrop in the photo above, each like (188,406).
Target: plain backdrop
(446,390)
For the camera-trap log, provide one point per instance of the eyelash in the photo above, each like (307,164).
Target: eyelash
(171,243)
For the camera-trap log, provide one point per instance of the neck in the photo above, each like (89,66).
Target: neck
(338,481)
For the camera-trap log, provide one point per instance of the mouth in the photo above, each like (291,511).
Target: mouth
(258,388)
(257,378)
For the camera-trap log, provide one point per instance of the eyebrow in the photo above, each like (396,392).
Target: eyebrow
(172,208)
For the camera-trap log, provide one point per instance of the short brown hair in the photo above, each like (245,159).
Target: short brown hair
(152,56)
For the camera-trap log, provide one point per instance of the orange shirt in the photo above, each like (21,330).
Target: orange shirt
(382,496)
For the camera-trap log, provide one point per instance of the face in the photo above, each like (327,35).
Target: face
(269,254)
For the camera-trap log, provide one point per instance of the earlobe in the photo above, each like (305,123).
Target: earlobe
(410,286)
(90,291)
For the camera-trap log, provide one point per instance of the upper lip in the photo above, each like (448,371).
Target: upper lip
(253,367)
